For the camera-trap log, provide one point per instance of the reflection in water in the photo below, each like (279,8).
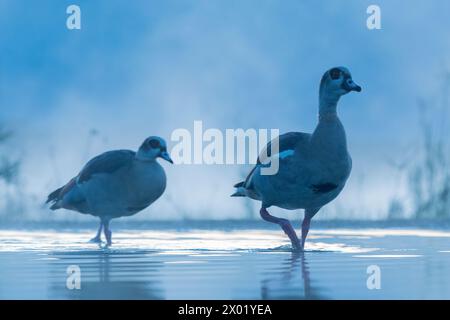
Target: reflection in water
(107,274)
(293,282)
(234,264)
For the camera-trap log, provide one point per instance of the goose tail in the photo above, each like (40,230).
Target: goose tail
(56,197)
(53,199)
(240,190)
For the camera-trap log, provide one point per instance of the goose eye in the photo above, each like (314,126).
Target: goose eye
(335,73)
(154,143)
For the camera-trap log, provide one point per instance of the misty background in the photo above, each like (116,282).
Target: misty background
(145,68)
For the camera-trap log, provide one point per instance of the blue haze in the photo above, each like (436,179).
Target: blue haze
(140,68)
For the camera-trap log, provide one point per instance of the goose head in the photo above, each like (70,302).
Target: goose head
(335,83)
(153,147)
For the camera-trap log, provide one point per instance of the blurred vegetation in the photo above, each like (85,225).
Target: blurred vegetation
(429,178)
(8,167)
(10,202)
(428,172)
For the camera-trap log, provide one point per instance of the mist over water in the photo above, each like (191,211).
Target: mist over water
(148,68)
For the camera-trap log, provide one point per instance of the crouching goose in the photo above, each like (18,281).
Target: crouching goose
(313,168)
(115,184)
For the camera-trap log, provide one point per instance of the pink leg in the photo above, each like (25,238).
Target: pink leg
(285,225)
(97,238)
(108,233)
(305,229)
(309,213)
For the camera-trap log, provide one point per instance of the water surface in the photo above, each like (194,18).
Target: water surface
(226,264)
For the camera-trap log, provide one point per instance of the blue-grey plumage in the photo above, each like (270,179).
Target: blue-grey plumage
(115,184)
(313,168)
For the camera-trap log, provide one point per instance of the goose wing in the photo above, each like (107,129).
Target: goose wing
(107,162)
(288,143)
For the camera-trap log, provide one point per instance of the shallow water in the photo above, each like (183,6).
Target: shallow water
(234,264)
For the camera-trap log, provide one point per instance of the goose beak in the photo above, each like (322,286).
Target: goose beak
(349,85)
(165,156)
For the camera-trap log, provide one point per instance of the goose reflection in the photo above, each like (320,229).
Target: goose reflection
(108,274)
(292,282)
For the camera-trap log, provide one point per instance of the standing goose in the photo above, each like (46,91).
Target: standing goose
(313,168)
(115,184)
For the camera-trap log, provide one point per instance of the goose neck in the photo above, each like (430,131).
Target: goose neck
(328,108)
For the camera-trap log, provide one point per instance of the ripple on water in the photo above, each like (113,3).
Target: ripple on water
(243,264)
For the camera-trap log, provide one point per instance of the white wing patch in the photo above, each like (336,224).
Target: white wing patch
(284,154)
